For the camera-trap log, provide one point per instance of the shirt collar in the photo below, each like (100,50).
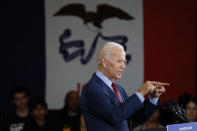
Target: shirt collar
(104,78)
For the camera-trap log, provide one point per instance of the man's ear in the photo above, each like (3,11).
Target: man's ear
(104,62)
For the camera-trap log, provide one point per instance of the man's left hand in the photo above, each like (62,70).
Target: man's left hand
(157,92)
(159,89)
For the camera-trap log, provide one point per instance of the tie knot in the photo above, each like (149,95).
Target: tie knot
(113,85)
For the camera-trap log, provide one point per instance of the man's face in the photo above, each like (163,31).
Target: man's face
(73,101)
(116,64)
(20,100)
(39,112)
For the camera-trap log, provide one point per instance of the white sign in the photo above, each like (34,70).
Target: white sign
(75,30)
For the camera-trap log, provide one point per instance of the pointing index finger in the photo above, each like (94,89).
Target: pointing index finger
(155,83)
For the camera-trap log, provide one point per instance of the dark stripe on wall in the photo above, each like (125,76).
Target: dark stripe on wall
(23,48)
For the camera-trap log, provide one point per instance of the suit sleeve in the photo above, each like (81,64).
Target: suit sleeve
(144,113)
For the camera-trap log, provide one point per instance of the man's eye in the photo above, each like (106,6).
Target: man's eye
(120,61)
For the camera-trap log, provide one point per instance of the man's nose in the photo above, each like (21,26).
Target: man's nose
(123,65)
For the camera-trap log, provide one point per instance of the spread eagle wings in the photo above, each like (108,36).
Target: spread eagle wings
(104,12)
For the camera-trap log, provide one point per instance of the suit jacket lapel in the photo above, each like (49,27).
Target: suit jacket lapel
(113,98)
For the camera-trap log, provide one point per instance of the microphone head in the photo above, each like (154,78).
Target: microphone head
(178,112)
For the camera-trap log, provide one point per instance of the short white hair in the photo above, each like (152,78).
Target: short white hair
(106,50)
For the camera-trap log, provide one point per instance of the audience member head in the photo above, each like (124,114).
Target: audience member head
(191,110)
(183,100)
(72,101)
(111,60)
(38,108)
(20,97)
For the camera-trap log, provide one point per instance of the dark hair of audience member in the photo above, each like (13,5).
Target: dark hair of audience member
(37,101)
(183,99)
(19,89)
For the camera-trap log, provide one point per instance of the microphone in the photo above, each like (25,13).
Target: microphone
(179,113)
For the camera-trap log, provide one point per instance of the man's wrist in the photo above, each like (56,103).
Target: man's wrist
(140,96)
(153,100)
(141,92)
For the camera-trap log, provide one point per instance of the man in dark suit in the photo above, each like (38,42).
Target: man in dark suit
(105,105)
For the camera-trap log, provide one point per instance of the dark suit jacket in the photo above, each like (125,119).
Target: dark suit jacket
(103,111)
